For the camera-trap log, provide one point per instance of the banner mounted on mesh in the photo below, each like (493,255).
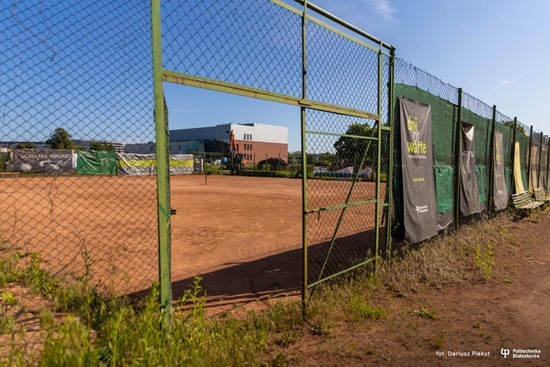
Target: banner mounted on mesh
(419,197)
(517,169)
(132,164)
(500,193)
(96,162)
(181,164)
(469,191)
(534,168)
(44,161)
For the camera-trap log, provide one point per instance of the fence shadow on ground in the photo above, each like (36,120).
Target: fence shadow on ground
(274,276)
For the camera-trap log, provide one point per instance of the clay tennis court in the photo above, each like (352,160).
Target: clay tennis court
(242,234)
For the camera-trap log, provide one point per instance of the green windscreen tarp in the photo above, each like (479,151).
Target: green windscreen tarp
(96,162)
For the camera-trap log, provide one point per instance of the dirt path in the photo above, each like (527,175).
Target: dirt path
(510,311)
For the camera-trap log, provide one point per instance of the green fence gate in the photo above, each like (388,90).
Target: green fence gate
(297,54)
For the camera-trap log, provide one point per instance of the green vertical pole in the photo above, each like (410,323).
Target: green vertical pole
(389,184)
(491,190)
(540,160)
(529,158)
(379,156)
(458,158)
(514,154)
(304,167)
(163,178)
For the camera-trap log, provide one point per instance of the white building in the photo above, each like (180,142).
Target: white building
(255,142)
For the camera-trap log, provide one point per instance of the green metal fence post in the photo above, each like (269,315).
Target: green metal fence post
(163,178)
(378,157)
(514,154)
(304,166)
(458,158)
(389,184)
(529,159)
(490,199)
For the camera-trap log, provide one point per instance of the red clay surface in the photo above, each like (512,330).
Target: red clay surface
(242,234)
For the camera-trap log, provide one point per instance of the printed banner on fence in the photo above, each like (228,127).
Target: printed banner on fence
(517,169)
(534,168)
(133,164)
(469,191)
(419,198)
(181,164)
(44,161)
(96,162)
(500,193)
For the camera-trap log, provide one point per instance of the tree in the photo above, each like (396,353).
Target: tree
(273,163)
(354,148)
(520,130)
(326,159)
(25,146)
(215,146)
(106,147)
(60,139)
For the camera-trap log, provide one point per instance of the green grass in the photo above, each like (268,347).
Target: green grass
(361,309)
(84,327)
(425,313)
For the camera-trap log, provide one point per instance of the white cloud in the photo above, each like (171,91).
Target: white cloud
(384,9)
(505,82)
(371,14)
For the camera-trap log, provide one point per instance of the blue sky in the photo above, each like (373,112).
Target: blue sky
(496,50)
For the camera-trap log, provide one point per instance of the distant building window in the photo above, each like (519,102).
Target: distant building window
(250,136)
(250,145)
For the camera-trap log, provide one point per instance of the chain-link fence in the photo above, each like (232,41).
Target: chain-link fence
(76,79)
(77,87)
(444,100)
(339,77)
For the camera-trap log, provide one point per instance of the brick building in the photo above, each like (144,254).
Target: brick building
(254,141)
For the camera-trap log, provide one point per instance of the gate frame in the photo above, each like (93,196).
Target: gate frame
(162,130)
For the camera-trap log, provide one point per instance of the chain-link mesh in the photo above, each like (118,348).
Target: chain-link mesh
(258,45)
(81,69)
(251,43)
(84,69)
(340,71)
(341,196)
(339,237)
